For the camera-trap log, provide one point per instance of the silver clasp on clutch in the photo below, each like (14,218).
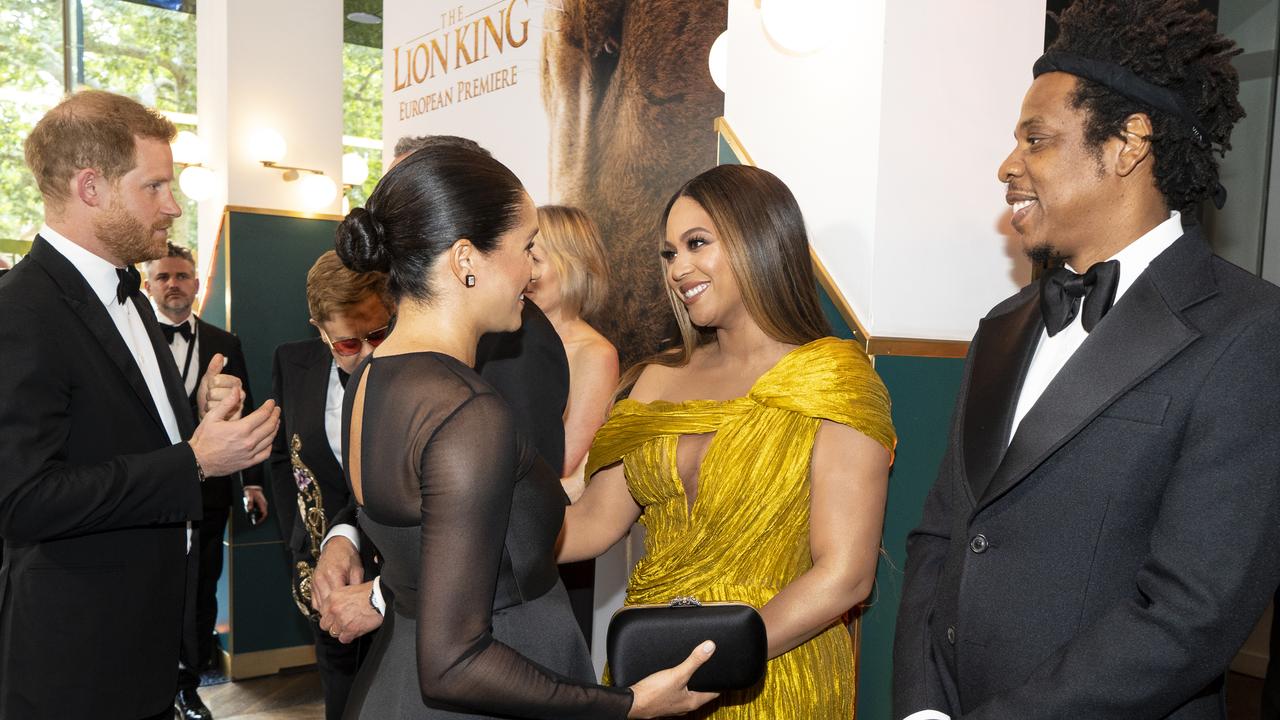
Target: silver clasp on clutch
(685,601)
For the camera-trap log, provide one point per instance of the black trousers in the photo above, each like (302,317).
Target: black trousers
(1271,686)
(212,529)
(338,664)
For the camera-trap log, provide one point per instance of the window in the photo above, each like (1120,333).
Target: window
(362,102)
(146,50)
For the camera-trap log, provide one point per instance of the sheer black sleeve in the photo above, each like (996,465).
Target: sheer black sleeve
(468,471)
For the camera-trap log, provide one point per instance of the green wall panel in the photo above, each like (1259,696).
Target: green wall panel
(923,392)
(258,291)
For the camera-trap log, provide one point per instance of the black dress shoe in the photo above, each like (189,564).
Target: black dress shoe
(190,706)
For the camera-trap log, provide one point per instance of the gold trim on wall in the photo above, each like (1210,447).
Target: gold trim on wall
(917,347)
(267,662)
(730,137)
(828,284)
(283,213)
(906,347)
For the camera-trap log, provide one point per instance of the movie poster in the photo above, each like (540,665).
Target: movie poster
(607,105)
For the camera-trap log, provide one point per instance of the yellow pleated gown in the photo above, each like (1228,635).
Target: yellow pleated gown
(747,533)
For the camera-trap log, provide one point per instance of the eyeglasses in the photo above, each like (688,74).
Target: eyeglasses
(347,347)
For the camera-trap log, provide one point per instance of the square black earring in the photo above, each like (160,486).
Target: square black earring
(471,280)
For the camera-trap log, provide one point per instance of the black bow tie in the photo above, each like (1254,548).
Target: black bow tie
(171,330)
(1062,290)
(130,281)
(343,377)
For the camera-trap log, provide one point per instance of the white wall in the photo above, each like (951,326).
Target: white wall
(814,121)
(271,64)
(890,137)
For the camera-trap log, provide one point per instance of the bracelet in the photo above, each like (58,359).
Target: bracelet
(199,470)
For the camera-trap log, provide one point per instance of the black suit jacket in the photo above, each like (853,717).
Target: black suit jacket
(1113,559)
(94,502)
(530,370)
(221,492)
(307,483)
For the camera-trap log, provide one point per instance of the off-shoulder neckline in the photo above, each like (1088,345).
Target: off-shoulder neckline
(706,402)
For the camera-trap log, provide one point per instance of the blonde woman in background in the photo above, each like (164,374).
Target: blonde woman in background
(571,279)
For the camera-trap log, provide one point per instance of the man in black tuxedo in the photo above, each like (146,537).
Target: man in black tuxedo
(1102,535)
(99,491)
(172,283)
(352,312)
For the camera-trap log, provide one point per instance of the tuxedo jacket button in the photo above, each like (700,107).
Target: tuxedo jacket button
(951,634)
(979,544)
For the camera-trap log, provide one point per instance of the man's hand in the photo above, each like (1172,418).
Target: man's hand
(338,567)
(223,444)
(348,613)
(253,498)
(215,386)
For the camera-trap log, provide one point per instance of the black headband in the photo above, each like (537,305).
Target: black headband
(1125,82)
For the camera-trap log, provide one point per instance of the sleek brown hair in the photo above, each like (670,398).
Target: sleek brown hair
(762,230)
(573,247)
(89,129)
(332,288)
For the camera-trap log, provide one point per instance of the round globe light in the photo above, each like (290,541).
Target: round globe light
(355,170)
(196,182)
(797,26)
(346,205)
(267,145)
(188,148)
(718,61)
(317,190)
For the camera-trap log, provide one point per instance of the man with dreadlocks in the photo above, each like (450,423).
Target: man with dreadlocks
(1102,534)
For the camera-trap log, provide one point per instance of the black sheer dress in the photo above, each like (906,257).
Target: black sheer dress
(465,516)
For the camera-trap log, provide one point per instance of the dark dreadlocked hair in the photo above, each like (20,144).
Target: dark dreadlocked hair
(1173,44)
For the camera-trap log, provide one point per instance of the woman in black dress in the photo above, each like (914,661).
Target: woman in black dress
(462,510)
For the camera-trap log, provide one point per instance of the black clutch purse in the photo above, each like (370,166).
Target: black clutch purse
(644,639)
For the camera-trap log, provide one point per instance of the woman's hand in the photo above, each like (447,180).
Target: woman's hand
(667,692)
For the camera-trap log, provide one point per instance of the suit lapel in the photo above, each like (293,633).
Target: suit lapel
(173,386)
(80,298)
(1004,345)
(315,393)
(205,349)
(1141,333)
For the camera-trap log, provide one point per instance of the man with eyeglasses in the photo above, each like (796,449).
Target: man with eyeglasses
(352,312)
(172,284)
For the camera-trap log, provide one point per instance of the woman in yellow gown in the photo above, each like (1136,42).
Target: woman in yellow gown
(756,454)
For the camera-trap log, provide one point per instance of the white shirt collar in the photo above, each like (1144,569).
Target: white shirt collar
(100,274)
(1137,255)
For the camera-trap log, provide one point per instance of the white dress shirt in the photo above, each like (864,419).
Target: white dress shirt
(102,279)
(1053,352)
(333,413)
(188,371)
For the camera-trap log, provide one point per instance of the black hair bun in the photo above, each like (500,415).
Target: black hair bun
(361,242)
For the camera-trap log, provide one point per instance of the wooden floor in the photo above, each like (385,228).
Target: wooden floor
(1244,697)
(290,696)
(296,696)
